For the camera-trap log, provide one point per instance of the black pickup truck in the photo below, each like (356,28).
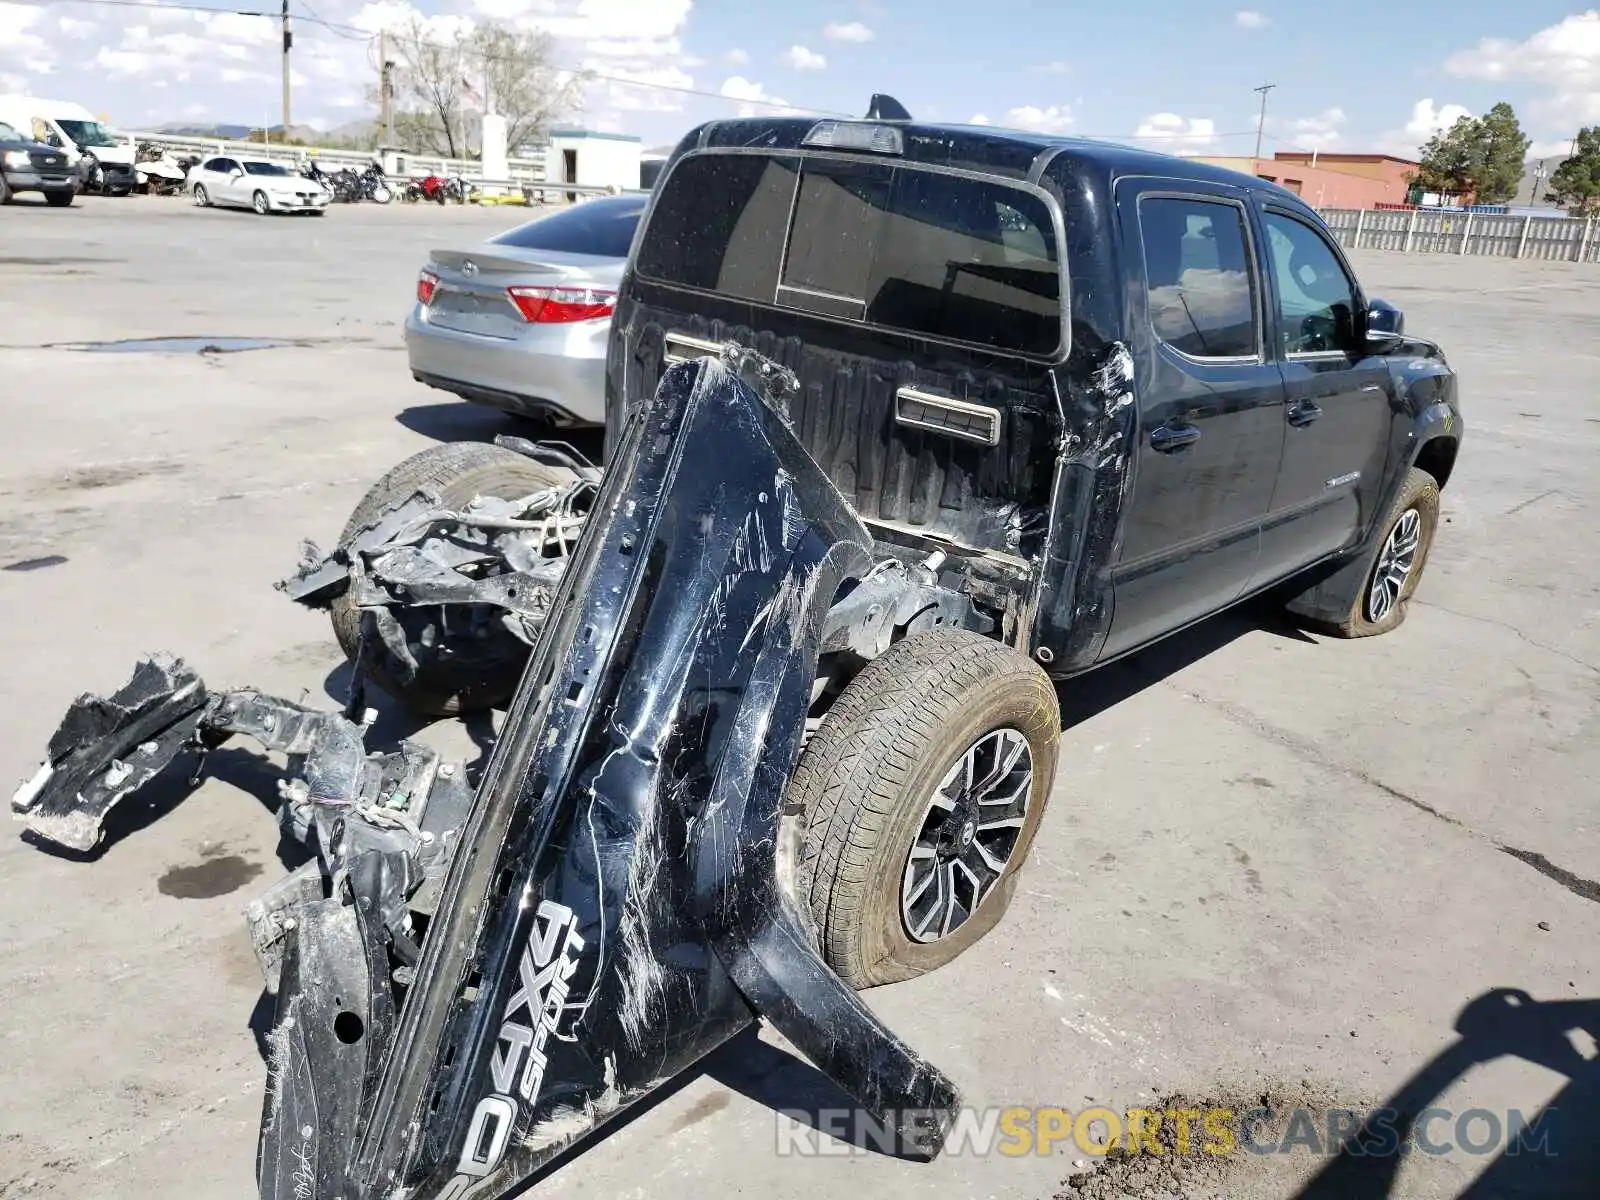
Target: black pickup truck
(30,166)
(903,420)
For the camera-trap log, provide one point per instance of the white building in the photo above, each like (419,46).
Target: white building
(597,159)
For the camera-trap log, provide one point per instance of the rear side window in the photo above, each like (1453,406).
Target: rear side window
(601,227)
(718,224)
(1197,274)
(968,260)
(914,250)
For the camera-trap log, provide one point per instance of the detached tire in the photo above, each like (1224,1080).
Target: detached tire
(1396,560)
(923,789)
(479,664)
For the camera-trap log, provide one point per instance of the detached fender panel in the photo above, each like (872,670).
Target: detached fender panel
(617,908)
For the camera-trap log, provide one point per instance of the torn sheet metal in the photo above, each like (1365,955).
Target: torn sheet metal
(382,825)
(463,988)
(502,552)
(617,903)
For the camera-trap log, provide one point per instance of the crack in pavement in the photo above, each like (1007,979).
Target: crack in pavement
(1516,508)
(1466,616)
(1309,751)
(1588,889)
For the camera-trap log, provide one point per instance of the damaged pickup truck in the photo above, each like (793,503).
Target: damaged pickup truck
(903,421)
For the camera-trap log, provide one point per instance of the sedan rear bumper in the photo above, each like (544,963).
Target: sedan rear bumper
(560,378)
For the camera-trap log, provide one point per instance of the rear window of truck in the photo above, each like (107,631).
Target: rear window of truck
(918,251)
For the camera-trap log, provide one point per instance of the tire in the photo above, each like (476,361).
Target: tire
(60,199)
(201,196)
(1419,496)
(476,674)
(381,194)
(866,780)
(259,203)
(5,191)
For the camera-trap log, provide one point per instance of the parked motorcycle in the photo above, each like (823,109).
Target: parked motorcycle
(374,185)
(428,187)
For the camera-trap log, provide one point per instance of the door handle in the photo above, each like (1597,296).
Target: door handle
(1302,413)
(1169,439)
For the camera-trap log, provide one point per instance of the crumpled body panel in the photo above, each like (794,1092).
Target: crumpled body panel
(617,909)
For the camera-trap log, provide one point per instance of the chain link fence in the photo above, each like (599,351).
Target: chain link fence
(1416,231)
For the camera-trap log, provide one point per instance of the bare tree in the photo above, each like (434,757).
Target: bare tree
(440,82)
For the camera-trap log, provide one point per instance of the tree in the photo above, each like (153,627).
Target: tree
(1480,157)
(439,84)
(1576,181)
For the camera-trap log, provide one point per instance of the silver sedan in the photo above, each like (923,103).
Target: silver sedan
(520,322)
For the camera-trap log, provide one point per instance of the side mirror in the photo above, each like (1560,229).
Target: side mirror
(1385,322)
(236,173)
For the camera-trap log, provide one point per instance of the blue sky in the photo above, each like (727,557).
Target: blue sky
(1172,74)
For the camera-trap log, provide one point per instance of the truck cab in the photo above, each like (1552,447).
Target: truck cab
(1118,391)
(102,159)
(30,166)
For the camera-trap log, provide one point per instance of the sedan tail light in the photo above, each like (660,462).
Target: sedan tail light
(426,283)
(559,305)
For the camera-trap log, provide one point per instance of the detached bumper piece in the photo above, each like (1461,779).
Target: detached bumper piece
(463,994)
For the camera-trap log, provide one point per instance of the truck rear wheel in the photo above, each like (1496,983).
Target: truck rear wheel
(923,788)
(1396,561)
(466,659)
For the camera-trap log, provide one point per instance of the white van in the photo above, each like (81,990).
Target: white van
(102,158)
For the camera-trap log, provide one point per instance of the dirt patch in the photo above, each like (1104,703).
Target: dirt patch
(707,1106)
(1211,1147)
(104,475)
(216,874)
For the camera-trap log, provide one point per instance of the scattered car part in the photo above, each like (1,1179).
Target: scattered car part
(623,894)
(443,575)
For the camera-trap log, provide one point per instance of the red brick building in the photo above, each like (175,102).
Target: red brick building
(1331,180)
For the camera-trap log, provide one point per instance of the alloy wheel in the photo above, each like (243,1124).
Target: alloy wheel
(1395,562)
(969,831)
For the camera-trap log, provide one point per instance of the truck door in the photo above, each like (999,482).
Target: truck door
(1210,407)
(1337,399)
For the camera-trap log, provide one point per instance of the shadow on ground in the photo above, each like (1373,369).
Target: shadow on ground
(1556,1156)
(750,1067)
(1085,696)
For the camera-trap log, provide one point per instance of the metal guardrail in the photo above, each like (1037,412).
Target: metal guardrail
(527,173)
(1420,231)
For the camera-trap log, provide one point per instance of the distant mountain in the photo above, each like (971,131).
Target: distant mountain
(352,133)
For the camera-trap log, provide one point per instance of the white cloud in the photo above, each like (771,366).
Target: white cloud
(1054,119)
(1058,67)
(757,100)
(1565,57)
(1559,149)
(16,25)
(736,58)
(849,31)
(1320,132)
(652,97)
(1426,120)
(798,58)
(1249,18)
(1170,133)
(979,119)
(73,27)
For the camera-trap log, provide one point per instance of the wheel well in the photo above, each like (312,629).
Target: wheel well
(1438,458)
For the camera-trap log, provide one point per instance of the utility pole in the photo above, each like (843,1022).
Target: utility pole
(288,40)
(385,103)
(1261,124)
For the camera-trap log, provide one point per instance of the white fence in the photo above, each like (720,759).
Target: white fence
(527,174)
(1551,239)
